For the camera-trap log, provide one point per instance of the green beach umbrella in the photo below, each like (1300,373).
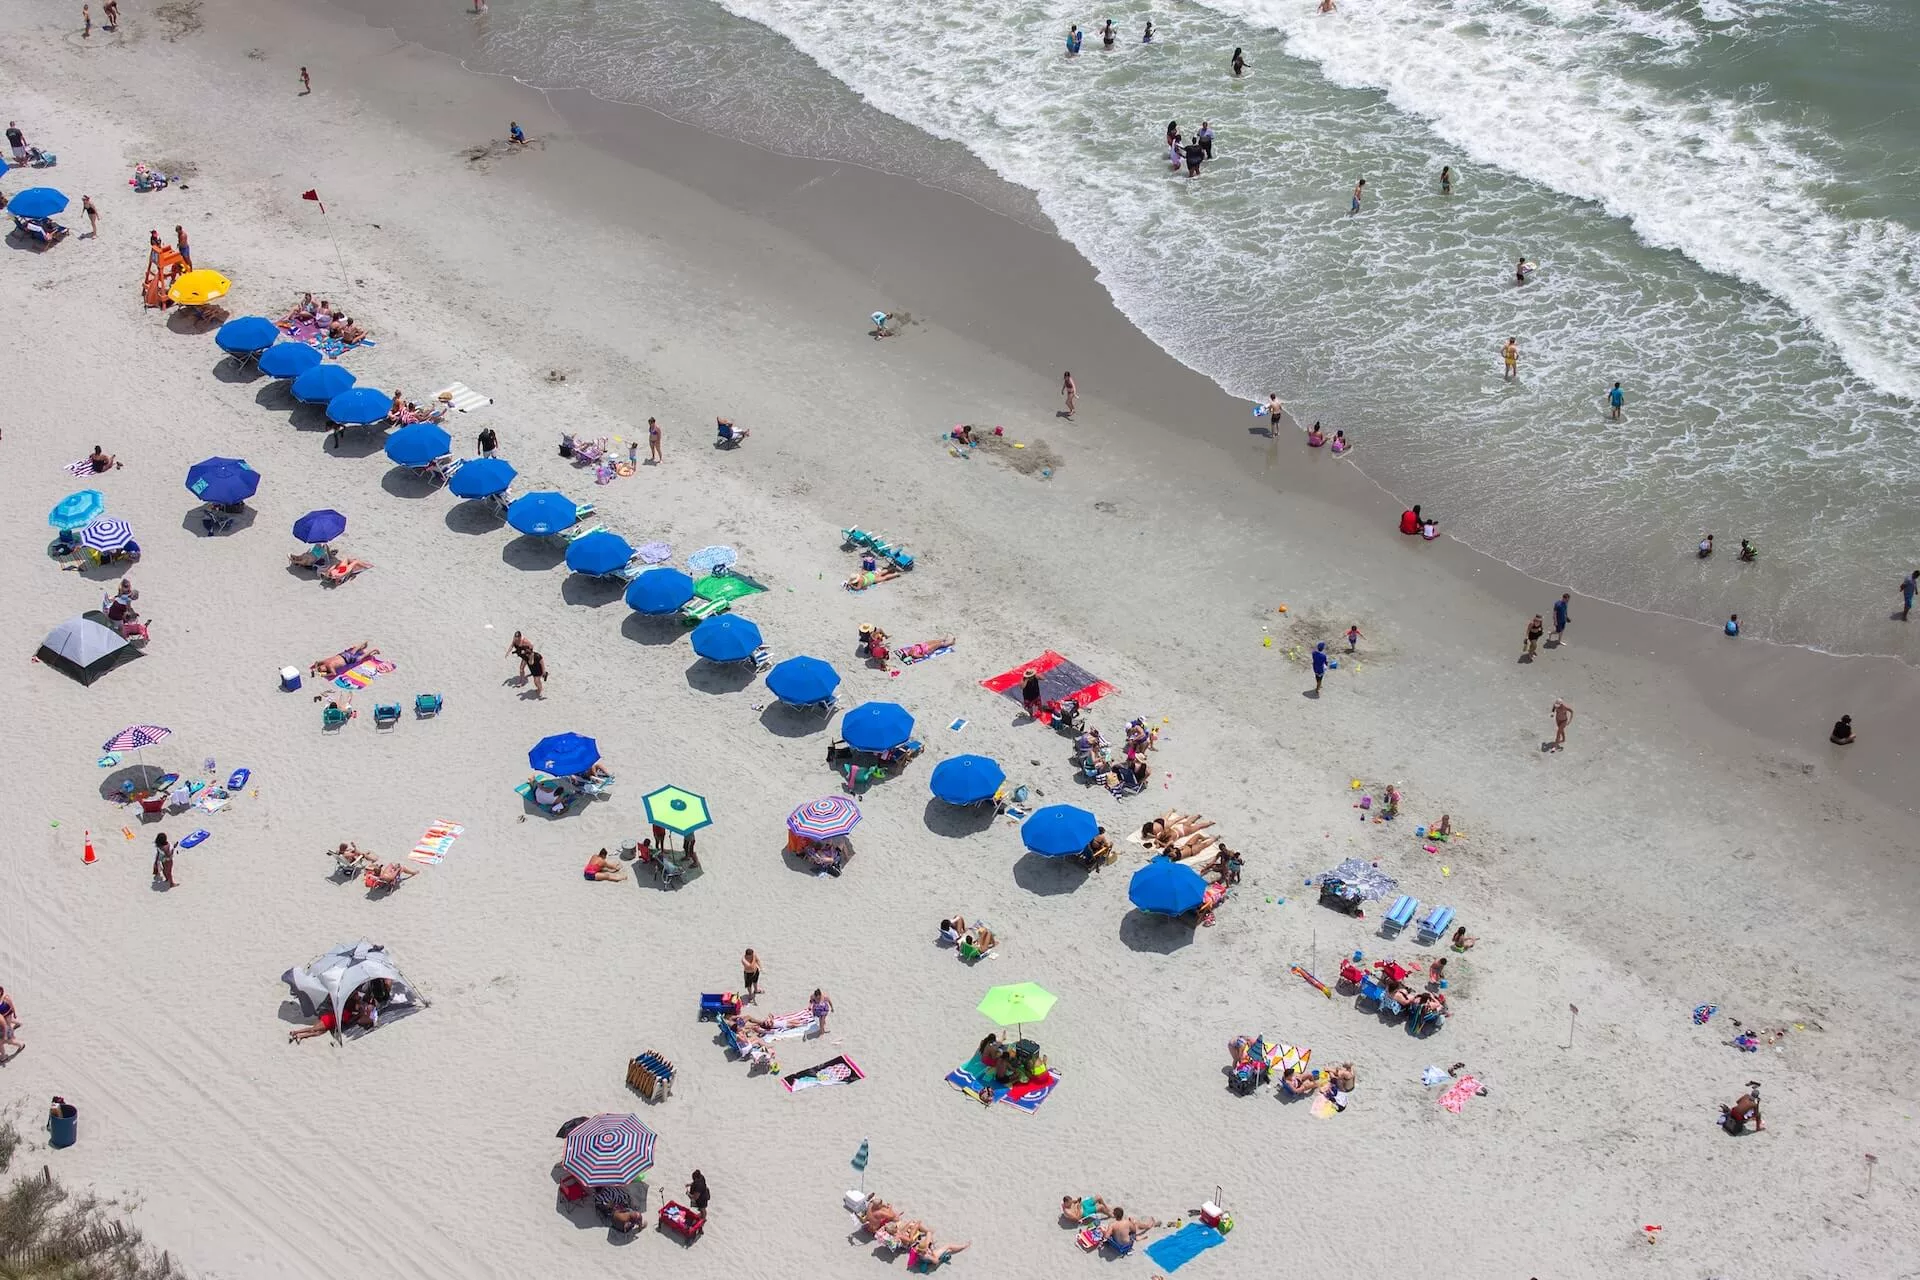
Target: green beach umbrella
(679,811)
(1020,1003)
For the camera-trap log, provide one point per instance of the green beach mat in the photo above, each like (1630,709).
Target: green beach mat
(726,586)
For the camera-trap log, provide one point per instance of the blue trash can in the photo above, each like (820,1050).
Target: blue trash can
(63,1123)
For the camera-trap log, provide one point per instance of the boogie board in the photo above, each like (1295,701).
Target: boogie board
(239,779)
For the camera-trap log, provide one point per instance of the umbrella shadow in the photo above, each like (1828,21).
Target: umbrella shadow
(788,721)
(473,515)
(196,320)
(719,677)
(1160,935)
(592,592)
(309,417)
(958,821)
(242,520)
(357,442)
(235,372)
(106,571)
(111,785)
(407,482)
(277,394)
(534,553)
(651,629)
(1047,876)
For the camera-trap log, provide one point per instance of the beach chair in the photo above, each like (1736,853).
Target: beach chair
(334,718)
(1418,1024)
(699,609)
(596,788)
(760,658)
(574,532)
(728,436)
(386,715)
(970,953)
(667,871)
(715,1003)
(1399,916)
(650,1076)
(426,705)
(1371,988)
(439,471)
(1352,974)
(1435,926)
(334,574)
(213,521)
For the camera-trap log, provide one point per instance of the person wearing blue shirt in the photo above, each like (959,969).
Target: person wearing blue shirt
(1073,42)
(1616,400)
(1319,666)
(1560,618)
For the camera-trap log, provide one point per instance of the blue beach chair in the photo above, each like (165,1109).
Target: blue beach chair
(1435,926)
(1400,915)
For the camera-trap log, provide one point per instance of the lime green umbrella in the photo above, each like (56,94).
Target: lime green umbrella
(677,810)
(1020,1003)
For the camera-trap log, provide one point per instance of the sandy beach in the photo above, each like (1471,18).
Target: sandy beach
(1697,843)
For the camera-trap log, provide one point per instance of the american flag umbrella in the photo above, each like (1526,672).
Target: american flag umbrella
(108,534)
(609,1150)
(825,818)
(136,738)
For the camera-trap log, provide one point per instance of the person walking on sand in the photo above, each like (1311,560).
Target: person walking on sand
(1275,411)
(819,1006)
(1071,390)
(1353,637)
(537,672)
(112,9)
(1359,190)
(1561,618)
(163,859)
(487,441)
(1616,402)
(1530,646)
(1562,717)
(1511,355)
(306,83)
(522,648)
(653,442)
(86,16)
(1319,666)
(1909,585)
(180,242)
(749,977)
(93,216)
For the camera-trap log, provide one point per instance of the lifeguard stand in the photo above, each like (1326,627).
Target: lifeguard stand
(164,266)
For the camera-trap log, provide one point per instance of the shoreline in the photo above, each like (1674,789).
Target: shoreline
(1661,861)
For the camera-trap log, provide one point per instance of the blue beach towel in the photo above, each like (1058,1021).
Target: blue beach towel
(1175,1251)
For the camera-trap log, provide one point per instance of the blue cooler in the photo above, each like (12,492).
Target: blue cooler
(289,678)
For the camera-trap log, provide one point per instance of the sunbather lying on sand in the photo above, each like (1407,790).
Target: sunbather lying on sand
(1123,1230)
(1172,826)
(878,651)
(351,656)
(869,577)
(345,567)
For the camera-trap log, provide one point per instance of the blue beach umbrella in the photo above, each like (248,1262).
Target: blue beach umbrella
(323,525)
(803,681)
(37,202)
(966,779)
(481,478)
(290,360)
(542,511)
(726,638)
(223,481)
(106,534)
(564,754)
(77,509)
(1059,831)
(1166,888)
(359,407)
(416,445)
(876,726)
(320,384)
(247,335)
(659,591)
(599,552)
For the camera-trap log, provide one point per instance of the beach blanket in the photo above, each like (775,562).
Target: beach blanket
(1373,883)
(787,1025)
(726,586)
(1059,680)
(363,675)
(84,467)
(1703,1012)
(840,1070)
(462,397)
(308,332)
(974,1079)
(1456,1098)
(437,842)
(908,659)
(654,552)
(1170,1253)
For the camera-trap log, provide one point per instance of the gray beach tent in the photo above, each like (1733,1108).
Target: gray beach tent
(329,980)
(85,647)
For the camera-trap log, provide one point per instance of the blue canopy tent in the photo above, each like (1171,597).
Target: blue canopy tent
(542,511)
(416,445)
(1059,831)
(803,682)
(564,754)
(1167,888)
(481,478)
(876,726)
(599,553)
(222,481)
(320,384)
(726,638)
(659,591)
(966,779)
(290,360)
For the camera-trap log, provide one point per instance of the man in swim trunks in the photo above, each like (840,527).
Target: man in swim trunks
(1616,401)
(1359,190)
(1511,354)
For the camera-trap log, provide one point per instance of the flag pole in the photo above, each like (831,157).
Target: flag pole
(313,194)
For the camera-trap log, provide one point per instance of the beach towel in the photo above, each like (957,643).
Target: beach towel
(800,1022)
(909,659)
(1059,680)
(840,1070)
(1704,1012)
(363,675)
(308,332)
(462,397)
(654,552)
(437,842)
(1456,1098)
(1433,1076)
(974,1079)
(726,586)
(84,467)
(1170,1253)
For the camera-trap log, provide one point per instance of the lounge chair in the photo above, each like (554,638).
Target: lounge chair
(576,531)
(698,610)
(213,520)
(1435,926)
(335,574)
(1400,915)
(667,871)
(439,471)
(334,717)
(44,230)
(386,715)
(426,705)
(727,435)
(567,794)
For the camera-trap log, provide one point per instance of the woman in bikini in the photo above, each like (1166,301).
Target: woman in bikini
(1172,826)
(1189,847)
(869,577)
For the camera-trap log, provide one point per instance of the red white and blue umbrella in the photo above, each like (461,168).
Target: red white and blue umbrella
(609,1150)
(108,534)
(136,736)
(825,818)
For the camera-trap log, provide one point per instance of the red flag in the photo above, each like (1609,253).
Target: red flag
(314,195)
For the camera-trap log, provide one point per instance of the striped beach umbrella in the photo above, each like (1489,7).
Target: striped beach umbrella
(609,1150)
(136,736)
(825,818)
(677,809)
(108,534)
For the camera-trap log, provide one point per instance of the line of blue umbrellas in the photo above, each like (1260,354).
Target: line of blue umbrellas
(313,380)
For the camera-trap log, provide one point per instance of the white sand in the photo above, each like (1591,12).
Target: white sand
(1665,860)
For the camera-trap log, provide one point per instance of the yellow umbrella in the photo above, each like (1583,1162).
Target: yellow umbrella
(196,288)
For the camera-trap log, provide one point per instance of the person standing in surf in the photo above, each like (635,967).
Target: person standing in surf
(1446,179)
(1239,62)
(1205,137)
(1173,133)
(1616,402)
(1359,190)
(1195,154)
(1108,35)
(1146,37)
(1073,43)
(1511,354)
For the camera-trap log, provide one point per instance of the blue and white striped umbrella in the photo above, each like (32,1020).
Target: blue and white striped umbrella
(609,1150)
(136,736)
(109,533)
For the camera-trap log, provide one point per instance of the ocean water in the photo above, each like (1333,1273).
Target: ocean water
(1723,199)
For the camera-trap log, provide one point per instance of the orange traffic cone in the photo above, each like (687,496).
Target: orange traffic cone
(90,857)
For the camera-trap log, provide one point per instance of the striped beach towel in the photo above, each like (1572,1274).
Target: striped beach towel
(462,397)
(363,675)
(84,467)
(788,1025)
(437,842)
